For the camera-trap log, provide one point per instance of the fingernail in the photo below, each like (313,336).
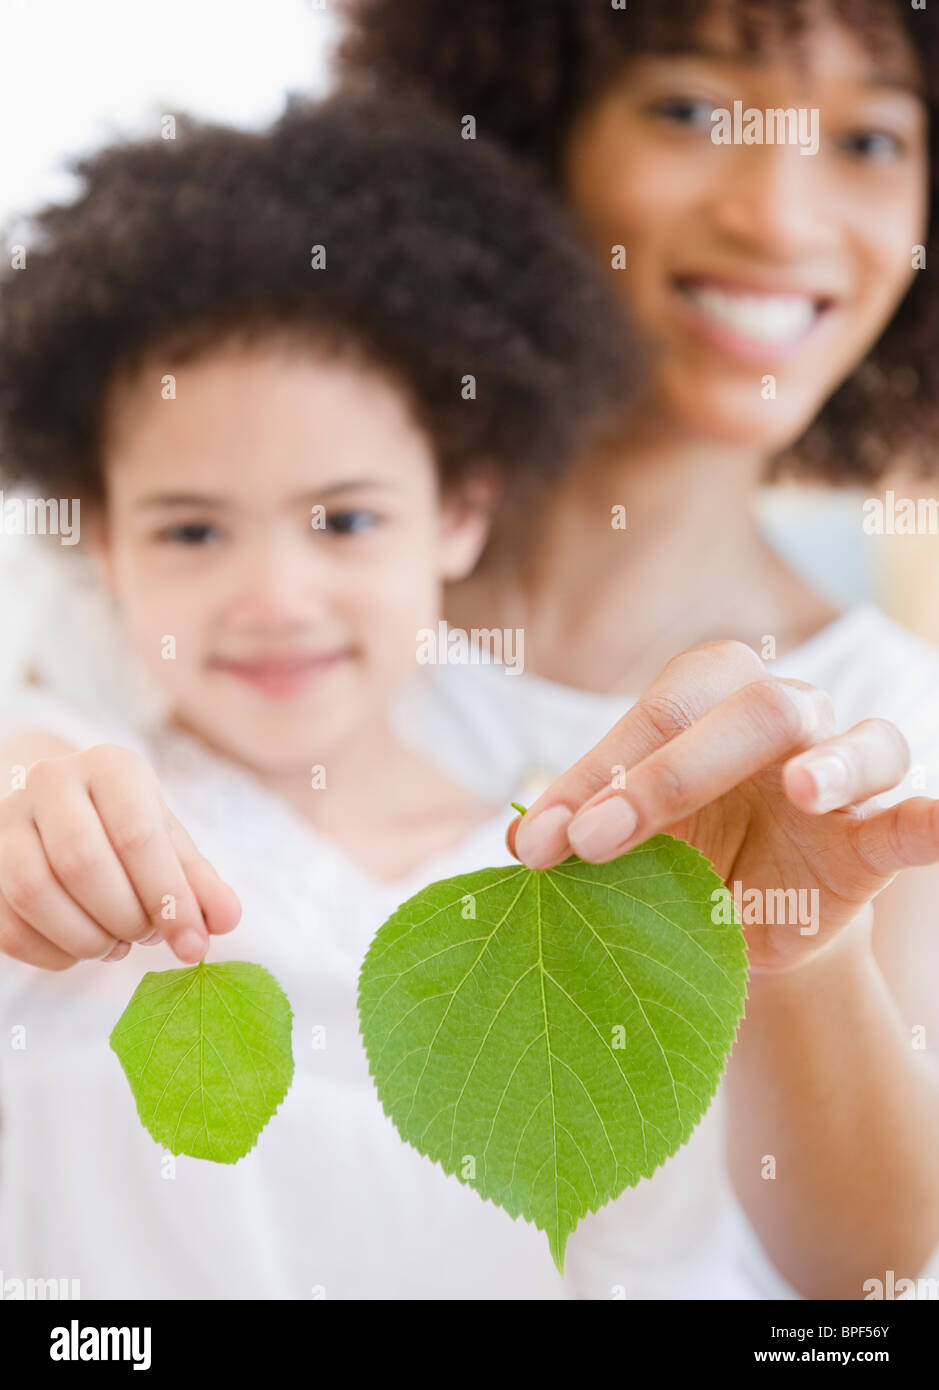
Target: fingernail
(830,776)
(542,839)
(191,946)
(118,951)
(603,830)
(155,937)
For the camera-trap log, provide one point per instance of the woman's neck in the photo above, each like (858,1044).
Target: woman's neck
(644,550)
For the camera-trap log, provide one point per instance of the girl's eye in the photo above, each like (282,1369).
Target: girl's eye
(189,533)
(692,112)
(351,522)
(874,145)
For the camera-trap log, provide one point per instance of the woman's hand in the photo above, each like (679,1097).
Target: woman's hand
(92,859)
(750,770)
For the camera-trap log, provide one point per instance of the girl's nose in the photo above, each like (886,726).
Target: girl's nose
(278,584)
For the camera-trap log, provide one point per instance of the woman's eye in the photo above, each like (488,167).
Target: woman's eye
(351,522)
(876,145)
(190,533)
(692,112)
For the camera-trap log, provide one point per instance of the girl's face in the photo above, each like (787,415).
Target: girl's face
(763,275)
(277,631)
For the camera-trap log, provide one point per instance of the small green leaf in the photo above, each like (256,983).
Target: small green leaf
(207,1053)
(550,1037)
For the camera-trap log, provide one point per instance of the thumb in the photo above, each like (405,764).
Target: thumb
(220,906)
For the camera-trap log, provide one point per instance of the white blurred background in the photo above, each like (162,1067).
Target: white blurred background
(77,73)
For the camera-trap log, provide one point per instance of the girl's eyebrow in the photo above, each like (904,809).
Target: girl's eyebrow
(205,500)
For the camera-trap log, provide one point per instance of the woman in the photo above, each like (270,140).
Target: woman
(784,292)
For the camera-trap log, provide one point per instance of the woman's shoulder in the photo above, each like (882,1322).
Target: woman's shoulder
(869,664)
(873,667)
(502,733)
(496,730)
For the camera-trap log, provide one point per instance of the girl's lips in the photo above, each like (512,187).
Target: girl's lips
(284,676)
(754,326)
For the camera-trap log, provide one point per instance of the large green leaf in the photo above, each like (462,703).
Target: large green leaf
(551,1037)
(207,1053)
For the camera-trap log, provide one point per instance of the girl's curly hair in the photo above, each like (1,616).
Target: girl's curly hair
(440,263)
(525,68)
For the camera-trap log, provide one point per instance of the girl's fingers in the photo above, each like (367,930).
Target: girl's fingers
(901,837)
(866,760)
(20,941)
(220,906)
(38,901)
(120,950)
(689,687)
(136,821)
(81,857)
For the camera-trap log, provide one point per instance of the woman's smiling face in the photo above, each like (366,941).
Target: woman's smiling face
(752,261)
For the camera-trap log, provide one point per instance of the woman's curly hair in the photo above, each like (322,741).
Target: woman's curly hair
(441,262)
(526,68)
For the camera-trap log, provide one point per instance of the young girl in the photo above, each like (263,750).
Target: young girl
(787,292)
(246,356)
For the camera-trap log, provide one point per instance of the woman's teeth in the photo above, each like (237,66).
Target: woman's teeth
(765,318)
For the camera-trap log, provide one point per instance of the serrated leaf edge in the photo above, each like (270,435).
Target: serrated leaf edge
(591,1209)
(168,1148)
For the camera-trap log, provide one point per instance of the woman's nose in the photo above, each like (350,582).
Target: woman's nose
(771,201)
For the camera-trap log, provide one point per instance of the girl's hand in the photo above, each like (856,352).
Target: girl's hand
(751,771)
(90,859)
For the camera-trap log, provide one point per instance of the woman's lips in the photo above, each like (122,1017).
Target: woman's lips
(281,676)
(758,326)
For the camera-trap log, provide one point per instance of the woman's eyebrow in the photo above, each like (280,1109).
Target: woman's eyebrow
(887,82)
(910,84)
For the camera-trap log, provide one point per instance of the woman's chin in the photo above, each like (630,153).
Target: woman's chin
(747,420)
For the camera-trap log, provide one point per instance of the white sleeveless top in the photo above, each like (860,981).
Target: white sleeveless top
(497,730)
(331,1202)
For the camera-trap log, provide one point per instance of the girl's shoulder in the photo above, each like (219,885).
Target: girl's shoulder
(25,706)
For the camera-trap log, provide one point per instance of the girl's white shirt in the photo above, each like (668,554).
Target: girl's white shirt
(331,1202)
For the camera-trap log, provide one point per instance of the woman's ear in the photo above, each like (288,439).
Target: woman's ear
(466,512)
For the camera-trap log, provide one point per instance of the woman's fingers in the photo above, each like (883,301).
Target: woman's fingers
(689,686)
(868,759)
(901,837)
(757,726)
(760,724)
